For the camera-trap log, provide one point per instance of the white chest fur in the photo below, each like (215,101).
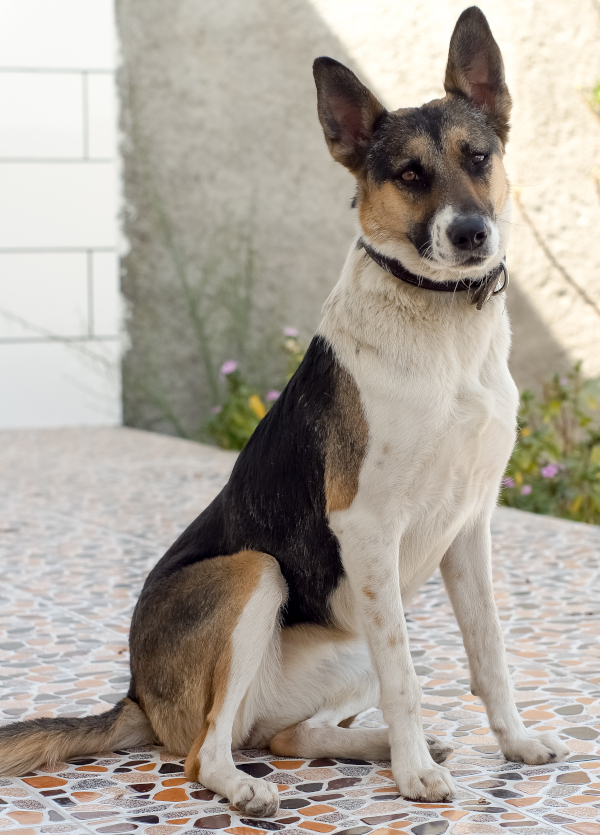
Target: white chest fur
(440,405)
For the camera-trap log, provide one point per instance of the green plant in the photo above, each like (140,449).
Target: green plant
(242,409)
(555,465)
(234,421)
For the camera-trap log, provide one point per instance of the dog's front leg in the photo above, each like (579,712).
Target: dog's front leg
(370,557)
(467,572)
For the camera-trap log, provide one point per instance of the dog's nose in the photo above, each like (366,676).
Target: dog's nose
(469,232)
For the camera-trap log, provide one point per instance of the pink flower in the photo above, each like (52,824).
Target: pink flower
(526,489)
(216,410)
(290,331)
(564,381)
(272,395)
(549,471)
(228,367)
(507,481)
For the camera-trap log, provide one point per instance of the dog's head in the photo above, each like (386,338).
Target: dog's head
(431,182)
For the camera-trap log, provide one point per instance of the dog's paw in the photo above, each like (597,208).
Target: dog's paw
(431,784)
(438,750)
(534,749)
(254,797)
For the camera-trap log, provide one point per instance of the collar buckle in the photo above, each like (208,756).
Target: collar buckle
(484,292)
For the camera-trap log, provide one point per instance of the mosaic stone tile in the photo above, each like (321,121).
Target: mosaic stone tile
(76,500)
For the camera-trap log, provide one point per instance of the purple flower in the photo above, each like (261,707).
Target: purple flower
(564,381)
(216,410)
(272,395)
(526,489)
(507,481)
(290,331)
(549,471)
(228,367)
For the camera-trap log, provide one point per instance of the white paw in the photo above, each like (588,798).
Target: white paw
(438,749)
(430,784)
(254,797)
(534,749)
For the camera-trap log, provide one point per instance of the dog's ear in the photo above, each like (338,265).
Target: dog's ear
(347,110)
(475,70)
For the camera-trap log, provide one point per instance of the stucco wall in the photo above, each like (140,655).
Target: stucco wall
(225,167)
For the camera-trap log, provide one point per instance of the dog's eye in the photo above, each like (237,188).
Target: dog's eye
(409,176)
(478,158)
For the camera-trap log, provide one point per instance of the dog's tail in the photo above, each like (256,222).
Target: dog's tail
(27,745)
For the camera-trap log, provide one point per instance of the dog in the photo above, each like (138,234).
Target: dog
(278,615)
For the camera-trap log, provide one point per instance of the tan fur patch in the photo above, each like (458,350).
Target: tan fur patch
(192,761)
(285,743)
(499,187)
(346,441)
(182,670)
(384,211)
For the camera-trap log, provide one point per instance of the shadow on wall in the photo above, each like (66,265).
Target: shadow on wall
(237,217)
(534,348)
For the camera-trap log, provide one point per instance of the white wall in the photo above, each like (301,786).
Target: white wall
(59,285)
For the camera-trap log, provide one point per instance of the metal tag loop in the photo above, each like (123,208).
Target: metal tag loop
(484,293)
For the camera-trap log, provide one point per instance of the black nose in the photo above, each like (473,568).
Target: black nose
(469,232)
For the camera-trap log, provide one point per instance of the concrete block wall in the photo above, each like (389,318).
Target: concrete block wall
(59,198)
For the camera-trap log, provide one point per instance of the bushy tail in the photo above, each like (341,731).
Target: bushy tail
(27,745)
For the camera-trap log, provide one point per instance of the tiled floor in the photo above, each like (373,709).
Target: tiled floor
(85,513)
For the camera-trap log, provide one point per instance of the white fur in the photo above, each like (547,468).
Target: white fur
(441,409)
(252,641)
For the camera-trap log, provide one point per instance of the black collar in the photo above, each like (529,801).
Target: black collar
(480,289)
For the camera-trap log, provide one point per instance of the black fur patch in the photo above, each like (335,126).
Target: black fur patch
(275,499)
(432,122)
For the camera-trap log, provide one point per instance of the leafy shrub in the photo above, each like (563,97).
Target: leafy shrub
(242,409)
(555,465)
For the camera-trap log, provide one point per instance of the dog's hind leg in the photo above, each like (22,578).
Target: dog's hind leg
(323,680)
(253,637)
(321,736)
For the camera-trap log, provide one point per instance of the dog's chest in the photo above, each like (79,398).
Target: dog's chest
(430,447)
(440,434)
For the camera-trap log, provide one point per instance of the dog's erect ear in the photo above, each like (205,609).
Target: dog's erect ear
(475,69)
(348,112)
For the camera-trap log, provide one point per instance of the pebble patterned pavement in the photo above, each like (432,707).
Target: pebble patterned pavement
(84,515)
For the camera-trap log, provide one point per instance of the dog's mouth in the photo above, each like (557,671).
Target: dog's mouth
(471,262)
